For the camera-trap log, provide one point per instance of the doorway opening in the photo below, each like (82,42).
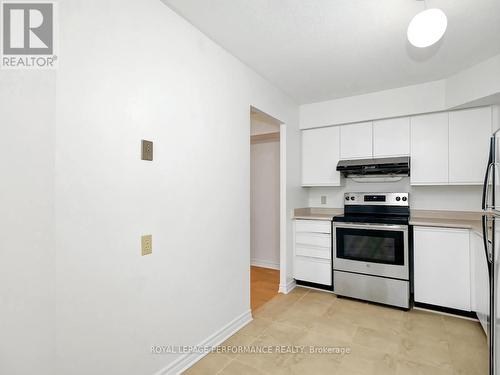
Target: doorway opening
(265,213)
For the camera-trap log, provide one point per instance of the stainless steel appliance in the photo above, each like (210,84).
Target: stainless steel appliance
(396,166)
(371,248)
(491,238)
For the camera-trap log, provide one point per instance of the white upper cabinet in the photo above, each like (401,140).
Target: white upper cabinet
(356,141)
(391,137)
(447,148)
(320,155)
(469,144)
(429,149)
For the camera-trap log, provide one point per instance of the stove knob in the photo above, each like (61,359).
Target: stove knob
(352,198)
(346,198)
(405,199)
(398,199)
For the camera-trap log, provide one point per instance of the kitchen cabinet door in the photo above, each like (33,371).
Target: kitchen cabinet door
(313,270)
(469,138)
(356,141)
(429,149)
(479,278)
(442,267)
(391,137)
(320,155)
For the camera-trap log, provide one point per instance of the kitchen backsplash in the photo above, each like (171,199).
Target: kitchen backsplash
(460,198)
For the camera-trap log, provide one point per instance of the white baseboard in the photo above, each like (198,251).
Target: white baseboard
(265,264)
(187,360)
(288,287)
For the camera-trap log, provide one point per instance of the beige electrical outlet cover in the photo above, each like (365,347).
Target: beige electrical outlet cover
(146,244)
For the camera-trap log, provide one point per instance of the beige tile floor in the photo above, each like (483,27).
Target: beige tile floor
(382,340)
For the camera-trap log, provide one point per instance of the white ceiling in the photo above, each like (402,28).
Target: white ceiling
(316,50)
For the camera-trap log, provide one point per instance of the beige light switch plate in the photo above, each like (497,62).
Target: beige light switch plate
(146,244)
(147,150)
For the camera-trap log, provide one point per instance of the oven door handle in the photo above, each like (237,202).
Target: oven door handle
(371,226)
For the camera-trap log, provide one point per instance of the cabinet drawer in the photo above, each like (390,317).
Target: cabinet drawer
(313,239)
(313,252)
(315,226)
(313,270)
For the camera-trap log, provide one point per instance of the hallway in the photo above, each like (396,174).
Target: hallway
(264,284)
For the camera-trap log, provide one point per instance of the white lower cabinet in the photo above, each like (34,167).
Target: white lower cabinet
(479,278)
(312,251)
(442,272)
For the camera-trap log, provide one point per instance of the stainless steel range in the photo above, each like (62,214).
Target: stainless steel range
(371,248)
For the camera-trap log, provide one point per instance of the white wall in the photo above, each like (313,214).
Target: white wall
(265,204)
(458,198)
(477,85)
(426,97)
(478,82)
(27,252)
(131,70)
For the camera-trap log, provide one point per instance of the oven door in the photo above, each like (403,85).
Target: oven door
(372,249)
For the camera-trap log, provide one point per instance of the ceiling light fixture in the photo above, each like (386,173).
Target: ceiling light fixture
(427,27)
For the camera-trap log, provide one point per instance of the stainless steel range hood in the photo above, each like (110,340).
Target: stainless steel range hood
(379,167)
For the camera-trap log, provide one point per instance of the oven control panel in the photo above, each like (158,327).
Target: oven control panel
(385,199)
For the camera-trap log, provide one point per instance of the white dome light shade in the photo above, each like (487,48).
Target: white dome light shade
(427,27)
